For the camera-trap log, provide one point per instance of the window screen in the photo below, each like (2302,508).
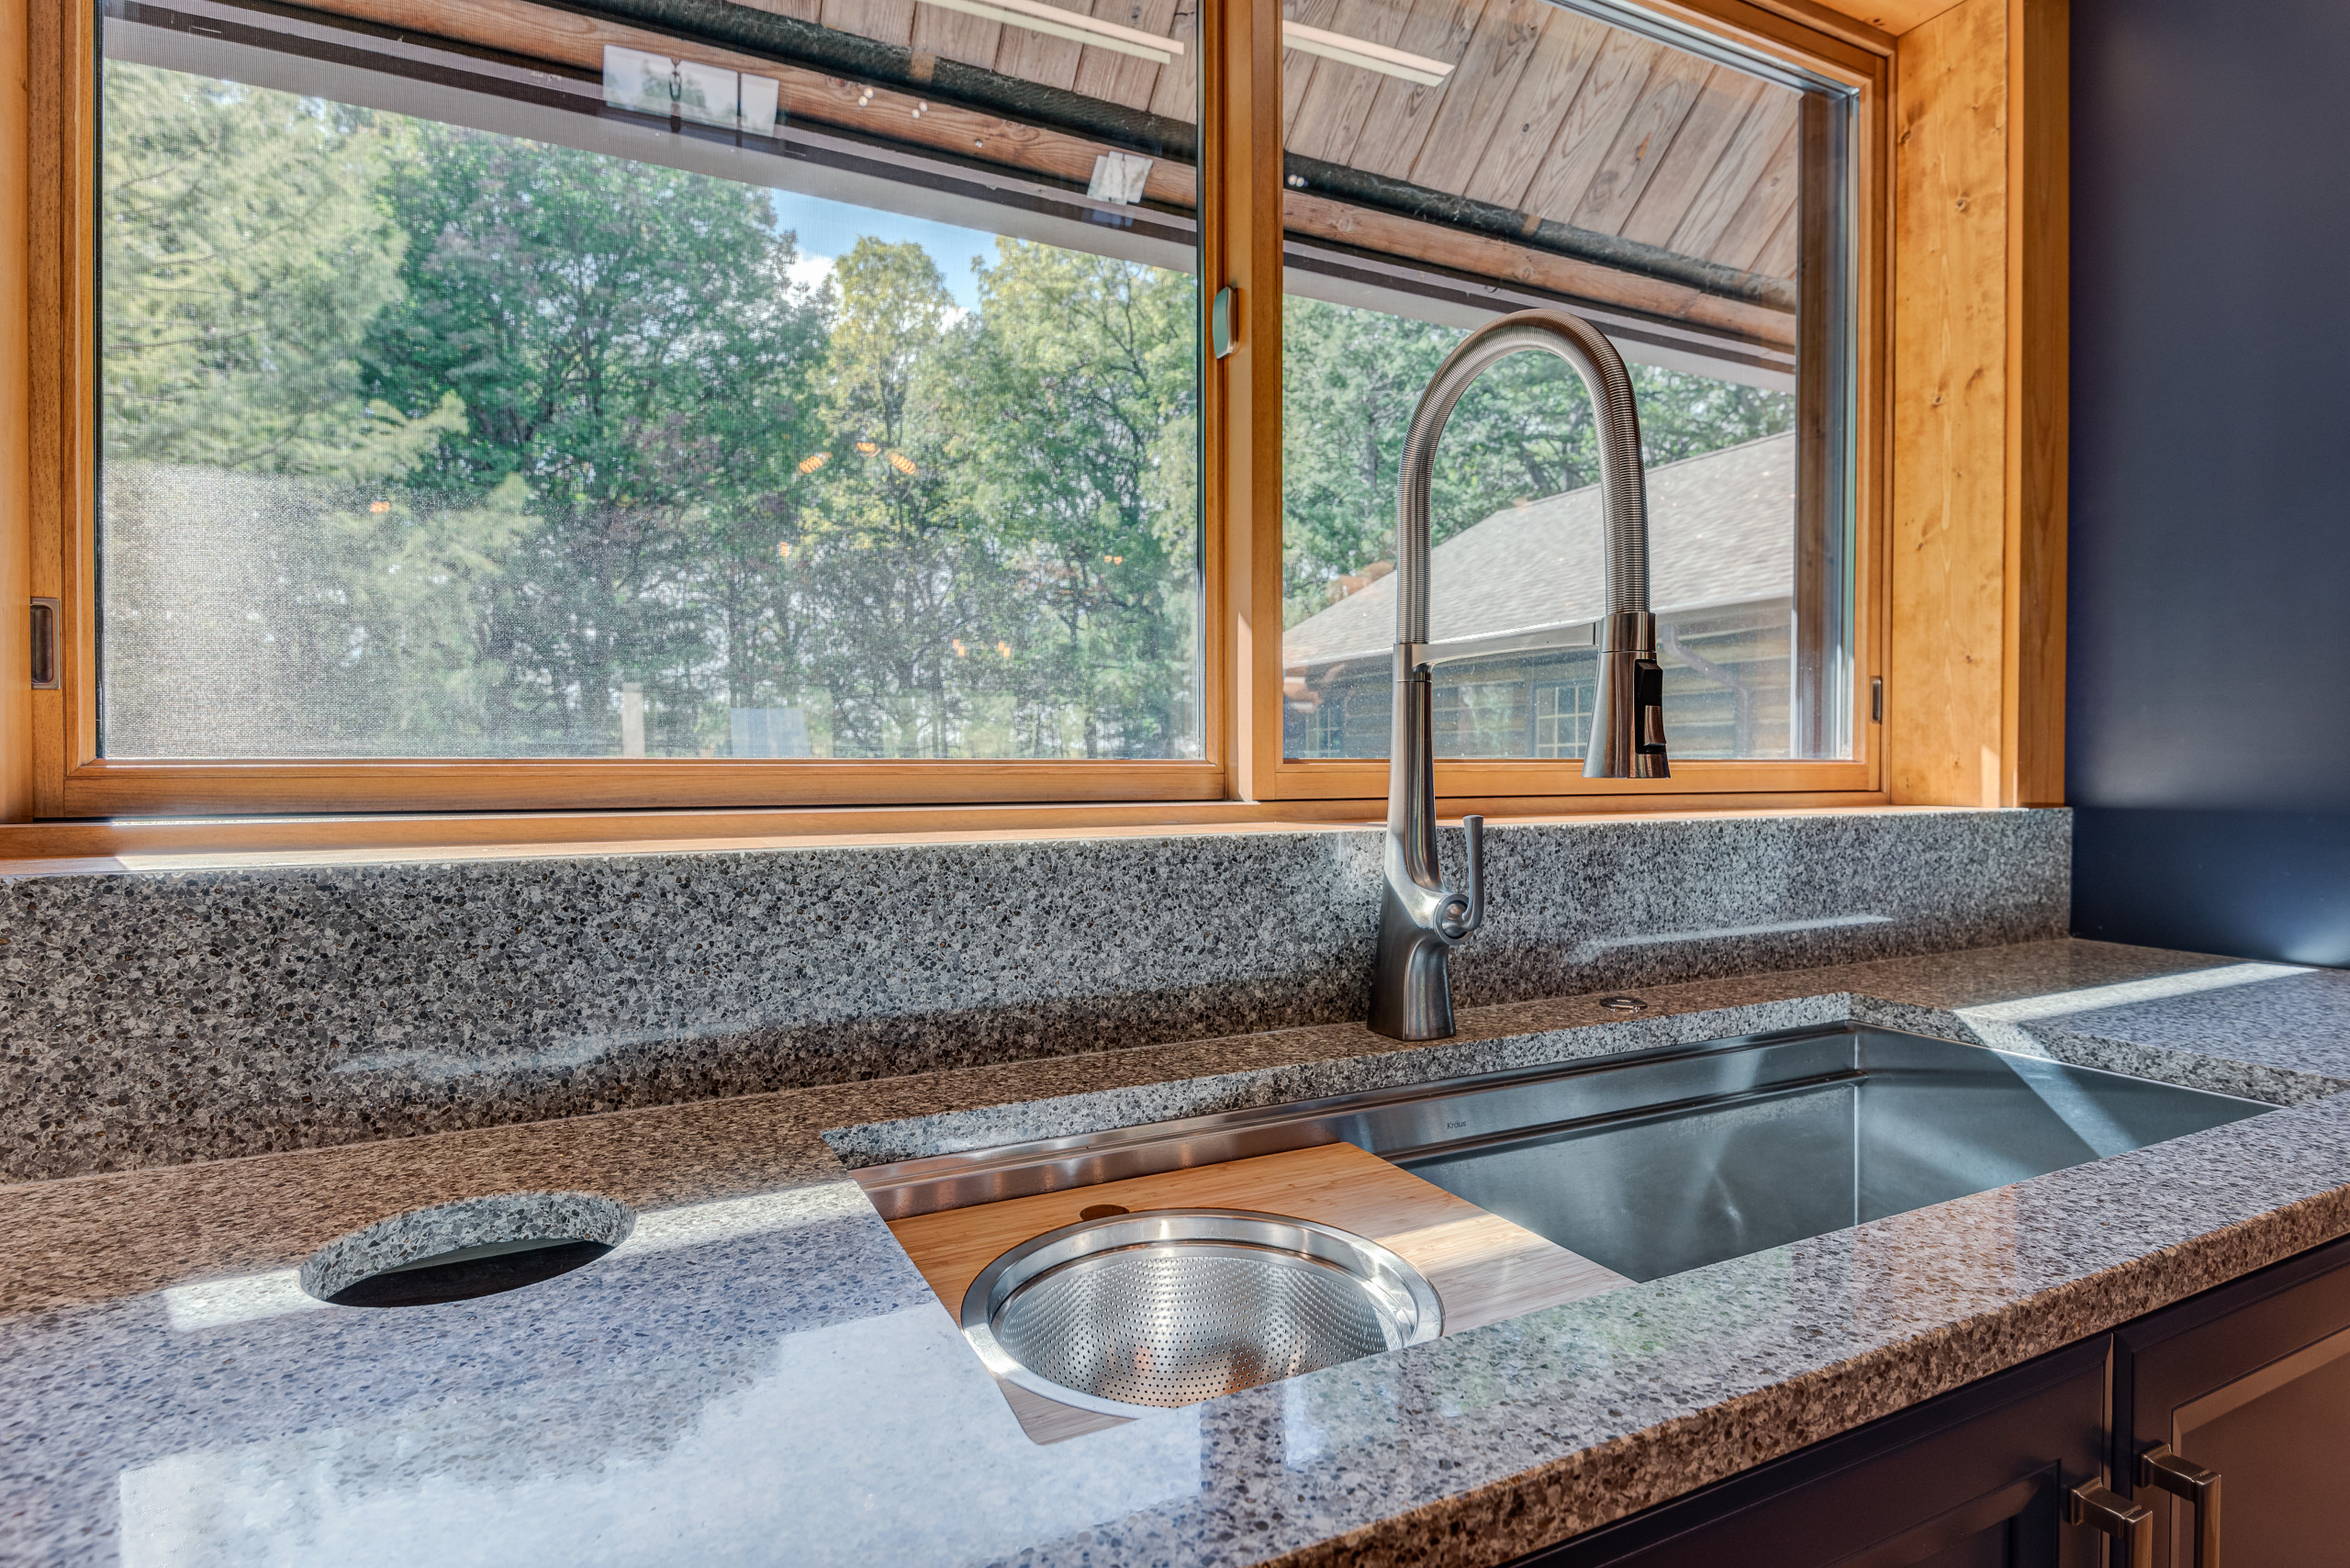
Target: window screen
(560,391)
(1445,165)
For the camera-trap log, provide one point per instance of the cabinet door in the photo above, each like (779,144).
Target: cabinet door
(1976,1479)
(2253,1380)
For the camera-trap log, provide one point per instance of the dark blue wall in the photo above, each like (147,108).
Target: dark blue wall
(2208,709)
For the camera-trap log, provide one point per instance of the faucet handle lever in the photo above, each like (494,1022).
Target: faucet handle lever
(1472,905)
(1648,697)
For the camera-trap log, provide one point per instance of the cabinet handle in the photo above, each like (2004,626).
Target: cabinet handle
(2132,1524)
(2182,1478)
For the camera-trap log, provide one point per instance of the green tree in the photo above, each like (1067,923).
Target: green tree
(511,424)
(1084,442)
(628,342)
(900,597)
(246,251)
(1350,380)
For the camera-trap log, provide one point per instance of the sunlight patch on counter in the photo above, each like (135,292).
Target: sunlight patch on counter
(1999,1025)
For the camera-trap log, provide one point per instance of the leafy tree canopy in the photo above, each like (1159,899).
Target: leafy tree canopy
(432,442)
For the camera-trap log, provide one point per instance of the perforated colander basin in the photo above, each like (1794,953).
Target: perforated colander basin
(1170,1307)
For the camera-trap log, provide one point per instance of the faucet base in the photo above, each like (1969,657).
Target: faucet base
(1411,989)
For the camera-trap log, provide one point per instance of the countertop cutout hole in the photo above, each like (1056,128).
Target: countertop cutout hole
(458,1251)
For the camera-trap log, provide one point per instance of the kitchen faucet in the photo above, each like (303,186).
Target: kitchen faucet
(1419,917)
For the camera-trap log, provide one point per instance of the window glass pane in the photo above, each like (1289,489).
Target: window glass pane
(569,403)
(1443,166)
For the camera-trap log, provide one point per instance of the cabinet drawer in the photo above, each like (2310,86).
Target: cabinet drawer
(1974,1479)
(2251,1381)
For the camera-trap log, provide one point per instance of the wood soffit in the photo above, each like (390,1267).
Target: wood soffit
(1581,136)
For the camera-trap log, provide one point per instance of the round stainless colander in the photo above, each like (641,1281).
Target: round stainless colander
(1170,1307)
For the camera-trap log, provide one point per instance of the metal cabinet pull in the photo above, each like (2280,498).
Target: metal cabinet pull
(2161,1466)
(2132,1524)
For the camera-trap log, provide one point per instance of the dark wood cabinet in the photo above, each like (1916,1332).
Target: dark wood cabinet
(2251,1380)
(1976,1479)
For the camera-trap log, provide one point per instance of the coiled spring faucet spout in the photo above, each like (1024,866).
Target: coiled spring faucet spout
(1419,917)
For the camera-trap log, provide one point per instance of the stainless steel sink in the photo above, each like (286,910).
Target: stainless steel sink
(1826,1134)
(1663,1160)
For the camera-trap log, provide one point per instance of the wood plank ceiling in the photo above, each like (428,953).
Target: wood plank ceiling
(1549,114)
(1558,115)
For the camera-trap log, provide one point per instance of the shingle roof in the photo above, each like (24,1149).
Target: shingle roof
(1721,532)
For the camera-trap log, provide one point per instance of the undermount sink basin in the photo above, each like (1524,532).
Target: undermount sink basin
(1659,1161)
(1733,1152)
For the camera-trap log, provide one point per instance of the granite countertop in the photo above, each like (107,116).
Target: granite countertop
(758,1375)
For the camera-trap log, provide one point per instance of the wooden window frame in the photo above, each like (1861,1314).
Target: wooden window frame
(1509,784)
(1958,500)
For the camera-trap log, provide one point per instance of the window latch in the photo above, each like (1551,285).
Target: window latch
(1220,320)
(44,649)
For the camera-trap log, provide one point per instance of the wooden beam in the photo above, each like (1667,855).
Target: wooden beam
(1486,255)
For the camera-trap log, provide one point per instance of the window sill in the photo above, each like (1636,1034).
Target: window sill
(195,844)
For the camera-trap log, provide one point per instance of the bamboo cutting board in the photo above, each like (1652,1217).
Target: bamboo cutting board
(1484,1269)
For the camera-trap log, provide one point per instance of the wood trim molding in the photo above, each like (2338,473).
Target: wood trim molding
(188,789)
(1245,254)
(156,845)
(1337,779)
(16,412)
(61,288)
(1813,34)
(1974,688)
(1887,20)
(2040,265)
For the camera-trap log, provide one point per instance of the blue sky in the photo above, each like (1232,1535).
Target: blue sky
(827,228)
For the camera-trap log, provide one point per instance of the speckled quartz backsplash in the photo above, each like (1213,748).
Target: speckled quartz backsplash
(153,1018)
